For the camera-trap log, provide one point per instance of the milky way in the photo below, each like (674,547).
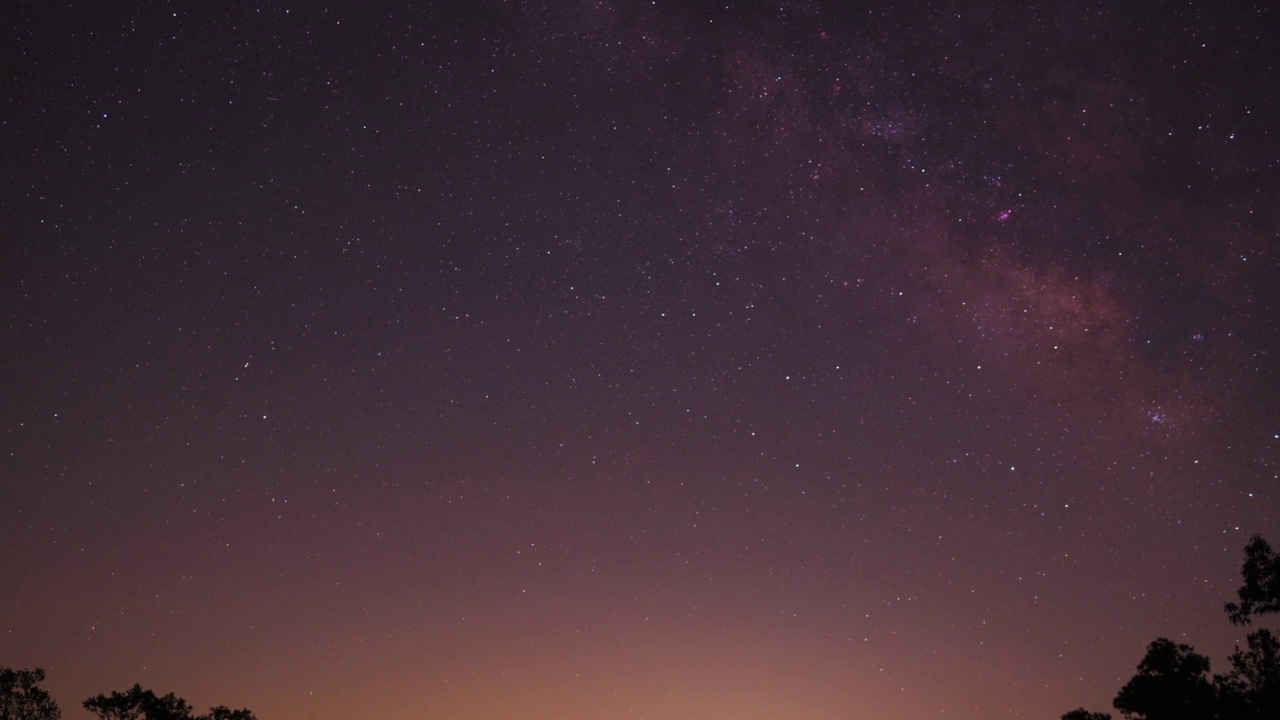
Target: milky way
(596,359)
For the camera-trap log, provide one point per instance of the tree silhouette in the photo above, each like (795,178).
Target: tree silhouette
(21,699)
(1172,684)
(137,703)
(1251,691)
(1260,593)
(1082,714)
(1172,681)
(223,712)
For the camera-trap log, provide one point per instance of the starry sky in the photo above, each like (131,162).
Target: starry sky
(588,359)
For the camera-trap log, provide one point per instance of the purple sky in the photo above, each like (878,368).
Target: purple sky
(655,360)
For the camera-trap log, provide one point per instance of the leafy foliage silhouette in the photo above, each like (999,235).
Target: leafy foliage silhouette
(222,712)
(137,703)
(1251,691)
(1172,684)
(1173,680)
(1082,714)
(22,699)
(1260,593)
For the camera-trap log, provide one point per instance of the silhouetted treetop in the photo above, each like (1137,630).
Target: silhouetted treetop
(223,712)
(1251,691)
(22,699)
(1260,593)
(1082,714)
(1173,680)
(137,703)
(1171,684)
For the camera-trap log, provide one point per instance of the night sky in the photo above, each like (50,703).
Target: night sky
(620,360)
